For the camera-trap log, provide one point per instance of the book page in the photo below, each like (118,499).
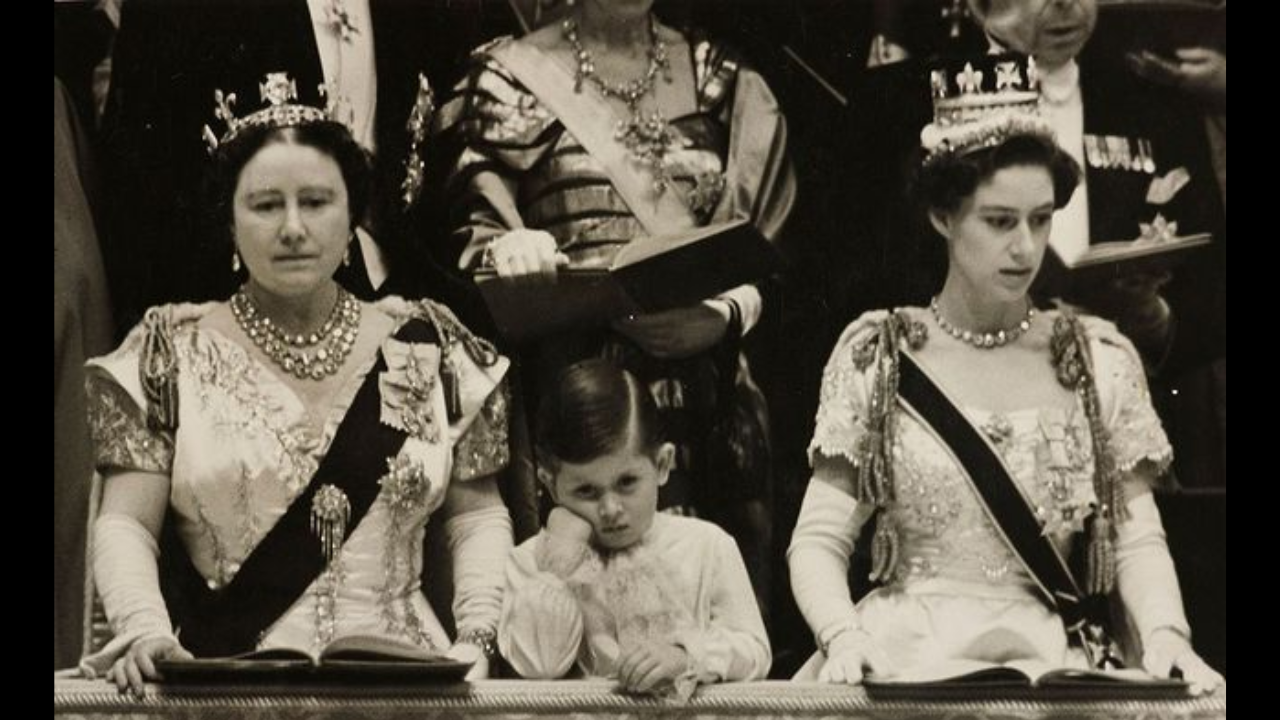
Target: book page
(963,679)
(1075,676)
(356,658)
(377,648)
(275,653)
(1122,250)
(1033,668)
(1127,683)
(644,248)
(956,670)
(577,299)
(665,273)
(376,658)
(271,665)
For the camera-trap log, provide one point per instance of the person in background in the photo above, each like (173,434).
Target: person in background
(81,329)
(538,176)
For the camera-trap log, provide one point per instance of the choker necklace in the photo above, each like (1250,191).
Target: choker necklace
(984,340)
(649,138)
(328,347)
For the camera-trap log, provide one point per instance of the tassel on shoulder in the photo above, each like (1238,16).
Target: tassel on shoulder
(875,476)
(1073,363)
(158,370)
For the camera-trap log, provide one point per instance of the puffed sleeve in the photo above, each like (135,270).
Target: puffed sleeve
(842,403)
(1130,418)
(477,379)
(128,423)
(542,625)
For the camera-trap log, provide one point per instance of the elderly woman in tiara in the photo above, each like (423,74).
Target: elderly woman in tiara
(975,439)
(292,441)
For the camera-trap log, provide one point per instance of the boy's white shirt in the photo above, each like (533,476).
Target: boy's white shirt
(684,583)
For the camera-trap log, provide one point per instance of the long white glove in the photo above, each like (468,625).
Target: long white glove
(127,577)
(818,557)
(1148,586)
(479,542)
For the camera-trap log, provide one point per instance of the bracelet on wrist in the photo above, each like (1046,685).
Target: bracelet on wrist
(484,638)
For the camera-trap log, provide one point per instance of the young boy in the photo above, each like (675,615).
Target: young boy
(659,602)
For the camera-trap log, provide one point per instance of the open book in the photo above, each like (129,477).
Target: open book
(647,275)
(371,657)
(975,678)
(1106,260)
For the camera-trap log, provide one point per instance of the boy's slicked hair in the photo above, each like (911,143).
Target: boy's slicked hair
(588,411)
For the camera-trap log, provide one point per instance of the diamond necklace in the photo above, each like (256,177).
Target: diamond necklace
(649,137)
(984,340)
(330,345)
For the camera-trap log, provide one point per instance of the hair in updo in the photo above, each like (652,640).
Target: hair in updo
(946,181)
(329,137)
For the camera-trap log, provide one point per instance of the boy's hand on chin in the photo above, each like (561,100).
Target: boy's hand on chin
(565,525)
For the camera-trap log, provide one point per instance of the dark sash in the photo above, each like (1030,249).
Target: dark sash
(230,620)
(1005,504)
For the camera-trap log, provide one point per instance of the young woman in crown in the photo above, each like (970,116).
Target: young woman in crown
(292,441)
(976,438)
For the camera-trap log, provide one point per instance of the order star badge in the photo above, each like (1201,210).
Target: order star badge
(1158,230)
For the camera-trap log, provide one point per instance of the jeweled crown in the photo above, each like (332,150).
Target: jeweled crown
(279,94)
(980,107)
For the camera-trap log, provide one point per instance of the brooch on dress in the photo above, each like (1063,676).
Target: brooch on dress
(330,513)
(407,389)
(405,484)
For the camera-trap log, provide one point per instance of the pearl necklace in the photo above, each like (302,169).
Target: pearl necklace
(331,344)
(984,340)
(650,137)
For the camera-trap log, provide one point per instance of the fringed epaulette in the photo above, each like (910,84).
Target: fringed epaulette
(452,331)
(452,334)
(1073,363)
(158,370)
(875,477)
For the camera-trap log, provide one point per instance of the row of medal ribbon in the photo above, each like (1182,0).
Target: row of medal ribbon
(1115,152)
